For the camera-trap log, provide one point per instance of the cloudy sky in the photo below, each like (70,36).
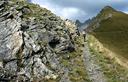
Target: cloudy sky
(80,9)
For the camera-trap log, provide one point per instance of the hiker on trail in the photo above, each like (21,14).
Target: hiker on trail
(84,35)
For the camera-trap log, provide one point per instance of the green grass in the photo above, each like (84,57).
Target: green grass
(118,22)
(115,41)
(113,32)
(112,70)
(75,63)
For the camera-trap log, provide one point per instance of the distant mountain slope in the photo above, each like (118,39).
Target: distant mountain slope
(108,42)
(84,25)
(110,28)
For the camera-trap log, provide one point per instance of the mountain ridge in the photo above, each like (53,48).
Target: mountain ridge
(109,27)
(107,39)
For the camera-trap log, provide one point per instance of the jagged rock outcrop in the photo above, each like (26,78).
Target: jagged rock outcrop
(31,39)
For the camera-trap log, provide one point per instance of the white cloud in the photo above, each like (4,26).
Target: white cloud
(71,12)
(126,12)
(80,9)
(64,12)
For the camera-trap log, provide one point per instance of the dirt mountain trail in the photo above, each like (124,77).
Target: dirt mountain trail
(93,69)
(65,76)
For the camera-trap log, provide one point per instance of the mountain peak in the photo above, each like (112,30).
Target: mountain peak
(78,23)
(108,8)
(107,11)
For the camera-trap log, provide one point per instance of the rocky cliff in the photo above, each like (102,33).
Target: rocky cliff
(33,42)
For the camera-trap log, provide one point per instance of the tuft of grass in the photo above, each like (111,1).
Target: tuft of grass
(78,73)
(111,69)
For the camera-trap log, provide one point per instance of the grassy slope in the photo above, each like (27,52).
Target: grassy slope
(111,69)
(113,31)
(111,38)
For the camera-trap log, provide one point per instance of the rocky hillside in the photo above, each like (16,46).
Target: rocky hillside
(108,41)
(37,46)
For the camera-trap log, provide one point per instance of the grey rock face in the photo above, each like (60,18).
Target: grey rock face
(28,48)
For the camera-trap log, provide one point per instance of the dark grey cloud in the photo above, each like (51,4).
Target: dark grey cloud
(81,9)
